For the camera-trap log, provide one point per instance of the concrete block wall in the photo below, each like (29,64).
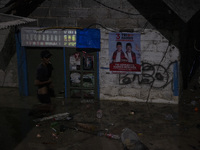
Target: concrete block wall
(3,35)
(116,15)
(82,13)
(155,50)
(8,76)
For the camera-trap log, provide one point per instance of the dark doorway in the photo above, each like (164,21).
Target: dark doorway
(57,60)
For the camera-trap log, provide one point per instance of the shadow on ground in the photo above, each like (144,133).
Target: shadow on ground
(158,126)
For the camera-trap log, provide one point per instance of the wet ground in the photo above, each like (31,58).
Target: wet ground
(158,126)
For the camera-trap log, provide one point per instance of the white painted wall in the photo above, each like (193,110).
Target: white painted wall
(154,47)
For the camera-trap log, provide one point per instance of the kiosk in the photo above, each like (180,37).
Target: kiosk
(75,60)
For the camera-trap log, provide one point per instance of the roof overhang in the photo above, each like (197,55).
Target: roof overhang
(185,9)
(7,21)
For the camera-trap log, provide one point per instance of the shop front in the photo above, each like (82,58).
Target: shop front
(75,60)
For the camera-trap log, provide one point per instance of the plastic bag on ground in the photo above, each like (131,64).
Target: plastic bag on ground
(131,141)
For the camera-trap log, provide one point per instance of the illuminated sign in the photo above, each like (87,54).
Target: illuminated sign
(37,37)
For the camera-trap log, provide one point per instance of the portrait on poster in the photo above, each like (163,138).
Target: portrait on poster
(124,52)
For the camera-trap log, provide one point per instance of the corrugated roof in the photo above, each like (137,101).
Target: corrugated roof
(7,21)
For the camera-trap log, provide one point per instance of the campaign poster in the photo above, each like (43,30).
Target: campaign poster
(124,52)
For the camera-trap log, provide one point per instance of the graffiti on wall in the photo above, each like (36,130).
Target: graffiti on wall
(155,75)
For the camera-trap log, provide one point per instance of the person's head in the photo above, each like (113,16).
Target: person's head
(45,56)
(128,47)
(119,46)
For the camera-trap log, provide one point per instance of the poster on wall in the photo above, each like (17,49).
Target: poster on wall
(124,52)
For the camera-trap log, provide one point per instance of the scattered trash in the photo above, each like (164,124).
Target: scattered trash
(99,114)
(76,129)
(54,129)
(131,141)
(132,112)
(196,109)
(63,118)
(140,134)
(38,125)
(108,135)
(55,135)
(111,124)
(38,135)
(193,103)
(169,117)
(61,115)
(128,136)
(112,136)
(87,126)
(106,129)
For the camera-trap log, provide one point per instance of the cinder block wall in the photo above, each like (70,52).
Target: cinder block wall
(8,72)
(157,52)
(116,15)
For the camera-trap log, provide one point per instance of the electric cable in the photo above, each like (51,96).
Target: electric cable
(101,26)
(156,71)
(63,28)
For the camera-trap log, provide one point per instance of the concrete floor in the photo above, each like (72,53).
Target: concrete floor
(158,126)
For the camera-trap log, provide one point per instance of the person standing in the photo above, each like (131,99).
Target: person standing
(43,78)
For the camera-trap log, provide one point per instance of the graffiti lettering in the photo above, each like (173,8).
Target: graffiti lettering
(155,75)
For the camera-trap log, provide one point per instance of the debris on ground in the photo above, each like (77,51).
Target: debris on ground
(61,116)
(169,117)
(99,114)
(131,141)
(87,126)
